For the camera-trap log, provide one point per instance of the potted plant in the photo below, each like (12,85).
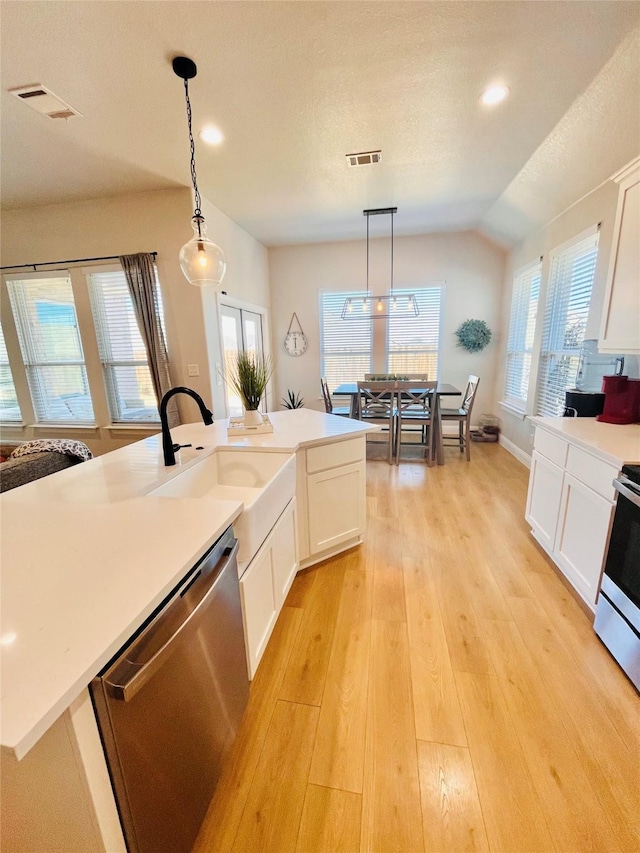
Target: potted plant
(248,376)
(293,401)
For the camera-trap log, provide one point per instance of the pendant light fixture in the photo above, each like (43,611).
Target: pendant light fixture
(201,261)
(398,304)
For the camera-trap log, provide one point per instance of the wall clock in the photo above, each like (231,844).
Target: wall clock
(295,342)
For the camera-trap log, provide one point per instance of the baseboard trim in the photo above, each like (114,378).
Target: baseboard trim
(516,451)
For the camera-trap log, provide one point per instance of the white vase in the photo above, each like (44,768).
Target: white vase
(252,417)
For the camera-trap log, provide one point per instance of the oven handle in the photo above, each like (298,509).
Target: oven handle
(627,488)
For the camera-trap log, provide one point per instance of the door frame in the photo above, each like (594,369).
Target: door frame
(243,305)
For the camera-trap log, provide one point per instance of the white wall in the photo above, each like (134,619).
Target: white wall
(598,206)
(471,266)
(145,222)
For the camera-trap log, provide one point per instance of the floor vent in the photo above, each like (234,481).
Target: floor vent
(43,101)
(364,158)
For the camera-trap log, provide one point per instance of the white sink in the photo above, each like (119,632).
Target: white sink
(264,482)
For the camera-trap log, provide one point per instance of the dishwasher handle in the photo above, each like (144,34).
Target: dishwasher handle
(137,674)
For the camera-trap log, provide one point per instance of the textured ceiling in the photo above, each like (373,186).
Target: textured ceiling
(297,85)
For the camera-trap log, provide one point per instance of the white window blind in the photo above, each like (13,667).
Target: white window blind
(127,376)
(565,321)
(413,342)
(47,325)
(9,408)
(522,324)
(345,349)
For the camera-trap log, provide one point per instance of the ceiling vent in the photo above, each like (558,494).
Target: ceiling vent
(364,158)
(43,101)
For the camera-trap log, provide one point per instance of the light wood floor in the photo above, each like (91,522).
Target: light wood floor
(437,689)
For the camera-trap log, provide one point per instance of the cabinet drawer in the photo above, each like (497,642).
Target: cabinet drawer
(591,471)
(332,455)
(551,446)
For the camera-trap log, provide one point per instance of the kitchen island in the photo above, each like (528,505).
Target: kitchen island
(88,554)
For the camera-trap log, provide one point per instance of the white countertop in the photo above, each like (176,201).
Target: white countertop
(87,556)
(615,443)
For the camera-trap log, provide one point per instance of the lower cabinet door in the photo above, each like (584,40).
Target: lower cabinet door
(258,607)
(543,499)
(583,530)
(284,563)
(336,505)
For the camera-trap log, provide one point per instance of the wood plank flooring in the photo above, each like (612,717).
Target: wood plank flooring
(436,689)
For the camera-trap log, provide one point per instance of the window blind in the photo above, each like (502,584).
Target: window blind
(9,408)
(122,351)
(565,321)
(522,324)
(413,342)
(345,348)
(47,326)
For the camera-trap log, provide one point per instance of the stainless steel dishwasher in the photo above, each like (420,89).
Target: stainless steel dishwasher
(169,705)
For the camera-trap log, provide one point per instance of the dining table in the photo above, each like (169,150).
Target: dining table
(441,389)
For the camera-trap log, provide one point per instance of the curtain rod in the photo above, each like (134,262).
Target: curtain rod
(34,267)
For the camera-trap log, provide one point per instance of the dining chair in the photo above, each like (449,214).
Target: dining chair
(414,408)
(463,416)
(376,403)
(342,411)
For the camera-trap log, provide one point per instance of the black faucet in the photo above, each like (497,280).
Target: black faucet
(168,447)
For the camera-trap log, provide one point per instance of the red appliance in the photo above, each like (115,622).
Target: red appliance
(622,400)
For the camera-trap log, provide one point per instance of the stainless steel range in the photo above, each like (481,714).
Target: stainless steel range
(617,620)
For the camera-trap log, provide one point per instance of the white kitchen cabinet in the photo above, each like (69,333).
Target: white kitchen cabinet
(570,504)
(331,492)
(583,528)
(265,583)
(284,563)
(543,499)
(620,325)
(336,506)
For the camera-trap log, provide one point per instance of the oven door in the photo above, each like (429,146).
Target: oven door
(623,557)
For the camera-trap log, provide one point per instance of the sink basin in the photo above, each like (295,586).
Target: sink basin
(264,482)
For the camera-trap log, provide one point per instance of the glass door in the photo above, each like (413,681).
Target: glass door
(241,332)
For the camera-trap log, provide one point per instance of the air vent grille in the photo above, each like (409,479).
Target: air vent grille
(364,158)
(43,101)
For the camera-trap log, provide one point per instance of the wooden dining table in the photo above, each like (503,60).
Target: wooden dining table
(442,389)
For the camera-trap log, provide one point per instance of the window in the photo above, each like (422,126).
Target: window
(345,349)
(9,408)
(127,377)
(47,326)
(565,321)
(524,309)
(413,342)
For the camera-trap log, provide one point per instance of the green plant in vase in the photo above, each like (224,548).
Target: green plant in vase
(248,376)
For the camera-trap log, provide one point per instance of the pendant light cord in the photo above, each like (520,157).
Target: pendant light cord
(391,251)
(194,178)
(367,256)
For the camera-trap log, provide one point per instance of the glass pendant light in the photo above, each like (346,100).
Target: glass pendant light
(202,262)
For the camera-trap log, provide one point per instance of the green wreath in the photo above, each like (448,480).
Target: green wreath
(473,335)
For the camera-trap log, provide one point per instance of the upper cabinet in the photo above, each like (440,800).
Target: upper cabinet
(620,327)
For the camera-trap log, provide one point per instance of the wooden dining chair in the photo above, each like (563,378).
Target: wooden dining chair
(414,409)
(463,416)
(342,411)
(377,404)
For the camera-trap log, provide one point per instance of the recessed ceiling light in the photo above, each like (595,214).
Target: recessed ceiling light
(211,135)
(494,94)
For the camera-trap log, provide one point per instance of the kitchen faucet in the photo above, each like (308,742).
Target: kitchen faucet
(168,447)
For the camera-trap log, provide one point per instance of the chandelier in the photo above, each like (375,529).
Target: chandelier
(201,261)
(392,304)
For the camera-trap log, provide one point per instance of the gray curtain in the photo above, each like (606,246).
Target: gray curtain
(140,271)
